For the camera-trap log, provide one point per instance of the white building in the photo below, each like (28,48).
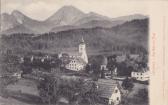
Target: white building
(141,75)
(78,60)
(76,64)
(109,91)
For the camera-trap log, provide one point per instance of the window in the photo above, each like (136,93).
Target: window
(117,98)
(116,91)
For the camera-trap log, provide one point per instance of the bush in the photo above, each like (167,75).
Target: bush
(127,84)
(75,89)
(143,95)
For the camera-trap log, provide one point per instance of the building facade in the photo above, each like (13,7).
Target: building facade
(140,76)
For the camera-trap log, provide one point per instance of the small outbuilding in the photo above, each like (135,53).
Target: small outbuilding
(109,91)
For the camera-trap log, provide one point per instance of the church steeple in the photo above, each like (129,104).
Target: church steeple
(82,40)
(82,50)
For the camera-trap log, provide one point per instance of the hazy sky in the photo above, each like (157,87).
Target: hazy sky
(42,9)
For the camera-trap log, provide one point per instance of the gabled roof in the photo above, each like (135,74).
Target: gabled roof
(79,60)
(106,87)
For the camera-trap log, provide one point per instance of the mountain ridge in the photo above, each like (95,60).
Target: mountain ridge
(64,17)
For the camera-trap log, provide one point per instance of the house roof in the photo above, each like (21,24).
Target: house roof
(106,87)
(79,60)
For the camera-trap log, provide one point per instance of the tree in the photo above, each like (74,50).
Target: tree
(143,95)
(112,64)
(123,69)
(127,84)
(96,71)
(88,68)
(72,88)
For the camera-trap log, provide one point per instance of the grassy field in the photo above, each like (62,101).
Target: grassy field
(11,101)
(25,86)
(23,92)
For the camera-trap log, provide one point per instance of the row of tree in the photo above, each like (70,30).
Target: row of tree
(73,89)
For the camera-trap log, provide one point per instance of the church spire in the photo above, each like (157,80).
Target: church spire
(82,41)
(82,50)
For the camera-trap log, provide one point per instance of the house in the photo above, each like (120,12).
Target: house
(110,91)
(77,60)
(142,75)
(121,58)
(18,75)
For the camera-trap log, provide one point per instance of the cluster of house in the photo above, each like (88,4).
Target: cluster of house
(109,88)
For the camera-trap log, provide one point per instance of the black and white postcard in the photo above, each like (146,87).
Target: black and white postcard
(83,52)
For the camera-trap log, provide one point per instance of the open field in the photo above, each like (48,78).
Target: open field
(24,86)
(23,92)
(11,101)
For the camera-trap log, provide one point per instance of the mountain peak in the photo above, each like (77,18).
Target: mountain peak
(18,15)
(68,7)
(16,12)
(66,15)
(5,15)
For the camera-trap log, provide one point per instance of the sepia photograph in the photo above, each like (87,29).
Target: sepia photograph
(74,52)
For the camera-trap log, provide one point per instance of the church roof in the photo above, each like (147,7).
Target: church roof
(72,53)
(106,87)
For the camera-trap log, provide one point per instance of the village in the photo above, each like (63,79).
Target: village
(74,78)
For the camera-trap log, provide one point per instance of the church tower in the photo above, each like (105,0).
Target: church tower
(82,50)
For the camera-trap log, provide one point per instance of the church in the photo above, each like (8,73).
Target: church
(78,60)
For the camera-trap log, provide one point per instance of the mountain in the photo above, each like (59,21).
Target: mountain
(90,24)
(101,23)
(129,35)
(90,17)
(66,18)
(130,17)
(17,19)
(18,29)
(34,25)
(8,21)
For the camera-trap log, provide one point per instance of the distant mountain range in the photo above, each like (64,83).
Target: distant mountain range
(66,18)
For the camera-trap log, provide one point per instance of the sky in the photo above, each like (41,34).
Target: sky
(42,9)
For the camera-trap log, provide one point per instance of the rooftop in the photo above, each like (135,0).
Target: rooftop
(106,87)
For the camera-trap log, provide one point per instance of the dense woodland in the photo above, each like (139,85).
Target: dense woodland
(130,37)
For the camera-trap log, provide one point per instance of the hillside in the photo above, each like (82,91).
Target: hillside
(130,36)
